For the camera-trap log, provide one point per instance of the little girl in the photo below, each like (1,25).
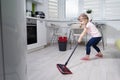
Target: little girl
(90,29)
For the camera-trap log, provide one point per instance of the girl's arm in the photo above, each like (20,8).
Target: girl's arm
(82,34)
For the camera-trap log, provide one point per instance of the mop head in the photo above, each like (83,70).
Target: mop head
(63,69)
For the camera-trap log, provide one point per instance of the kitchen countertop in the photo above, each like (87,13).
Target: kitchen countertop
(31,17)
(28,17)
(53,20)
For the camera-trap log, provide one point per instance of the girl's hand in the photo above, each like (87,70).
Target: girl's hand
(79,41)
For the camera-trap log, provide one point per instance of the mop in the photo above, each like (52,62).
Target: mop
(63,67)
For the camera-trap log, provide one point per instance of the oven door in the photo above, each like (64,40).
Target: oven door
(31,33)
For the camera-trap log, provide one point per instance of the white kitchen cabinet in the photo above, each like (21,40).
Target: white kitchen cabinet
(41,32)
(38,1)
(41,36)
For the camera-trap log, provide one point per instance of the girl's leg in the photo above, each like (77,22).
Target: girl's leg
(97,40)
(92,42)
(88,46)
(97,48)
(99,54)
(88,49)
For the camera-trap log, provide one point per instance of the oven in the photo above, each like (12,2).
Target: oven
(31,31)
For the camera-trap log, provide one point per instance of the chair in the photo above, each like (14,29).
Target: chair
(55,31)
(75,31)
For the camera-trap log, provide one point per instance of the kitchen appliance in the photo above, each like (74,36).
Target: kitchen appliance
(40,14)
(31,31)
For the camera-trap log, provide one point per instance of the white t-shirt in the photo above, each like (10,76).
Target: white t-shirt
(92,30)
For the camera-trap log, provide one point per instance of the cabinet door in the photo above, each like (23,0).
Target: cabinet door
(42,40)
(43,34)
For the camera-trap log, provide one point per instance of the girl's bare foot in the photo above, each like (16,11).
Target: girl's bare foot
(99,55)
(85,58)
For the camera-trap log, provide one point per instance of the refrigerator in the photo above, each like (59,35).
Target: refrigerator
(13,44)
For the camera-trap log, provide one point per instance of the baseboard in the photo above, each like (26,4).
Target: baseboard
(36,49)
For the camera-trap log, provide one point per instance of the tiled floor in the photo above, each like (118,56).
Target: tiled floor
(42,64)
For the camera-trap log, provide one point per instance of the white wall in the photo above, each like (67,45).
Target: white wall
(112,31)
(114,24)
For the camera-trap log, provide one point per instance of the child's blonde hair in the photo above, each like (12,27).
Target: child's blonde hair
(84,16)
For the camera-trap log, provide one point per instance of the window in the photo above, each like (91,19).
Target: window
(53,9)
(103,9)
(95,6)
(72,9)
(112,9)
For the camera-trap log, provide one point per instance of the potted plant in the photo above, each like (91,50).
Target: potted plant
(89,11)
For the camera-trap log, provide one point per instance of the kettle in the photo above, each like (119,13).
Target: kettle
(40,14)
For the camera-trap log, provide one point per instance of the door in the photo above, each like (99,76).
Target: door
(13,40)
(1,60)
(1,53)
